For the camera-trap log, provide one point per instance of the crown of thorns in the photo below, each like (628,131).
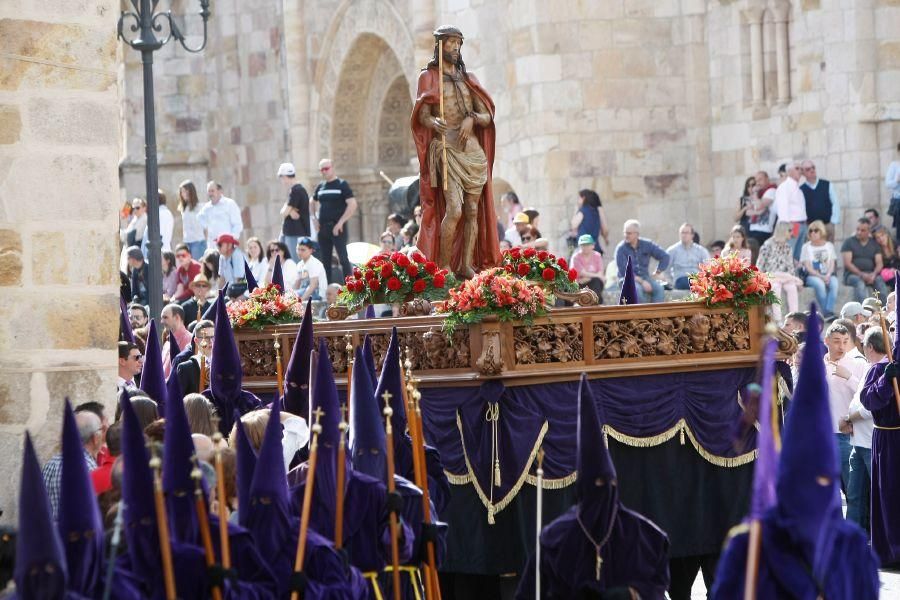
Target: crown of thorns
(447,31)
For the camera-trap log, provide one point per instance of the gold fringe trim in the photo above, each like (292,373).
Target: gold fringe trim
(457,479)
(680,429)
(495,508)
(554,484)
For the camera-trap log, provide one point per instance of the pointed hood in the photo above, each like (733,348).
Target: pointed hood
(270,477)
(246,464)
(597,485)
(324,396)
(391,380)
(277,274)
(251,280)
(125,332)
(225,376)
(629,293)
(40,567)
(80,526)
(367,435)
(137,495)
(178,453)
(296,376)
(370,311)
(153,380)
(173,386)
(765,467)
(369,361)
(808,470)
(209,313)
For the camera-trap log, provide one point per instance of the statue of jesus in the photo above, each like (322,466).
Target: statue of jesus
(459,225)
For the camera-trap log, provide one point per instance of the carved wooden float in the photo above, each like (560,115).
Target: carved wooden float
(604,341)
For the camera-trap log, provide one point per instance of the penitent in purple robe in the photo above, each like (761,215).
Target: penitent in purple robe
(633,550)
(807,548)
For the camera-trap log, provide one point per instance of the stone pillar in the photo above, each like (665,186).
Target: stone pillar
(780,14)
(59,151)
(754,19)
(424,21)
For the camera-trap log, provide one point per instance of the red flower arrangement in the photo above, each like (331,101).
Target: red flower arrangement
(542,267)
(494,292)
(731,281)
(390,277)
(266,306)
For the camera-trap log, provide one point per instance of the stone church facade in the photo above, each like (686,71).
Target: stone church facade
(662,106)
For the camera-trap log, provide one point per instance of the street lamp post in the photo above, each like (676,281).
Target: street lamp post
(146,24)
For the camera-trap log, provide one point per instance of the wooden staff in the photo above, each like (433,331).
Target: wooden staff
(411,397)
(890,353)
(202,383)
(224,540)
(162,527)
(341,470)
(348,348)
(752,572)
(279,371)
(539,522)
(203,518)
(389,436)
(441,108)
(307,496)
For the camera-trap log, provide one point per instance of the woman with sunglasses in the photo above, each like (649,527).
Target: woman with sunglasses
(288,266)
(819,260)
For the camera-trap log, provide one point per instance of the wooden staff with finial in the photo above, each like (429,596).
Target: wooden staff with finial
(202,384)
(316,429)
(440,44)
(224,540)
(341,473)
(411,399)
(279,370)
(162,527)
(389,437)
(203,518)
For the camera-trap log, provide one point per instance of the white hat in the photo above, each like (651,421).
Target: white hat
(286,169)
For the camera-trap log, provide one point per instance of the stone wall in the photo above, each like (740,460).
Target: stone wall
(59,146)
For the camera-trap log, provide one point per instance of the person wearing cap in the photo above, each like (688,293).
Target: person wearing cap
(855,312)
(219,215)
(196,304)
(686,257)
(231,261)
(188,268)
(295,211)
(589,264)
(311,281)
(598,548)
(138,274)
(807,549)
(520,223)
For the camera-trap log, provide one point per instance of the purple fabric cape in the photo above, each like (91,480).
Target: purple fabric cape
(640,407)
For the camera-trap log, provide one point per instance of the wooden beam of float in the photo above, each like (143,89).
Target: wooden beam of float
(603,341)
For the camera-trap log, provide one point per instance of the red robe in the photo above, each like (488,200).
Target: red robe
(487,247)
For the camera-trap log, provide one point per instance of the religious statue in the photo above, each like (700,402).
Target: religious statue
(453,128)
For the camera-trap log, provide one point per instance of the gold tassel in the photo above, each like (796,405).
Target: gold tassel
(497,473)
(491,520)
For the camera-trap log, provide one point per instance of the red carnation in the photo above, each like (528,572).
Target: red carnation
(529,252)
(348,280)
(548,274)
(562,263)
(515,253)
(431,267)
(418,256)
(412,270)
(394,284)
(419,286)
(523,269)
(395,256)
(542,255)
(374,284)
(438,280)
(508,268)
(402,260)
(573,274)
(357,273)
(387,270)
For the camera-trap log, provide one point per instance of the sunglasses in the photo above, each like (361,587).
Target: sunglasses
(323,169)
(182,255)
(527,239)
(136,358)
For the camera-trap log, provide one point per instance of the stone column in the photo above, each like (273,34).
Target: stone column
(424,22)
(754,16)
(780,14)
(59,151)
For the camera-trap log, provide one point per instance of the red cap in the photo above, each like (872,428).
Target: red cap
(227,238)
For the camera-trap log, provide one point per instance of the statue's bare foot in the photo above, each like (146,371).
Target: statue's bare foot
(467,272)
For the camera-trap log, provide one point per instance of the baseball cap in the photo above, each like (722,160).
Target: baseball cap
(852,309)
(873,304)
(227,238)
(286,169)
(585,240)
(521,218)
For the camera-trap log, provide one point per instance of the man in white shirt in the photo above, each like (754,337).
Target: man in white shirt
(131,362)
(790,206)
(843,373)
(220,215)
(859,423)
(166,226)
(311,281)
